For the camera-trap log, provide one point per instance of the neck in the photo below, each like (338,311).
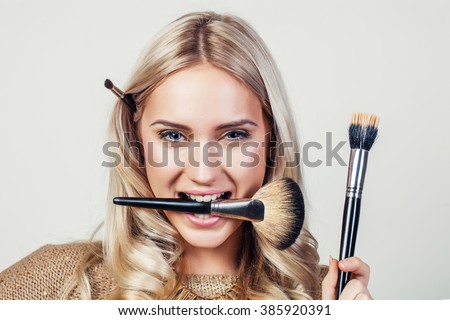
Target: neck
(209,261)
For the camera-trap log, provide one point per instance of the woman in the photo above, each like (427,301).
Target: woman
(207,82)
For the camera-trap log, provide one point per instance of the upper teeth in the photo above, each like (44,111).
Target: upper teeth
(207,198)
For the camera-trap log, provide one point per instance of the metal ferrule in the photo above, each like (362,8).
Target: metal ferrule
(245,209)
(356,172)
(117,92)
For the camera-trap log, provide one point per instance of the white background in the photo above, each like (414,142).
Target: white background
(387,57)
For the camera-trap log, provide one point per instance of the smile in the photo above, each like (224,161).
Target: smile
(204,198)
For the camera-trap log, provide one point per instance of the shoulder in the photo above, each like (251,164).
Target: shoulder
(44,273)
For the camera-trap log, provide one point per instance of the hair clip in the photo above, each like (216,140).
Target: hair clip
(125,97)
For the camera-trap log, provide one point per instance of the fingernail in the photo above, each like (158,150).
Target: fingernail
(345,263)
(330,259)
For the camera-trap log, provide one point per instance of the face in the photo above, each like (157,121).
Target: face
(204,137)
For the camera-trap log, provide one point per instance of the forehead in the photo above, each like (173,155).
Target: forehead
(200,95)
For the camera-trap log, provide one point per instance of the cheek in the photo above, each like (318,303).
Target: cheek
(175,218)
(162,167)
(249,156)
(248,167)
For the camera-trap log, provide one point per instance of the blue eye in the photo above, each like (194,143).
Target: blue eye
(237,135)
(172,135)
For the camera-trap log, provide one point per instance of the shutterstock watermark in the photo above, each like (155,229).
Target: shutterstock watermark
(331,152)
(214,154)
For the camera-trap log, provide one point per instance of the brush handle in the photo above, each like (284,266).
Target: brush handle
(349,232)
(242,209)
(129,101)
(350,220)
(127,98)
(165,204)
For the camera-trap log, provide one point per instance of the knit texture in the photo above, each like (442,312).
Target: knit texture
(210,286)
(44,274)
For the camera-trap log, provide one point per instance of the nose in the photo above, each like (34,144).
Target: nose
(204,163)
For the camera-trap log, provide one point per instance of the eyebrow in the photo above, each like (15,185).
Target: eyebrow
(170,124)
(227,125)
(237,123)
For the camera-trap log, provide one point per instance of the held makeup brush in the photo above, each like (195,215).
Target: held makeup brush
(243,209)
(284,212)
(363,131)
(127,98)
(276,210)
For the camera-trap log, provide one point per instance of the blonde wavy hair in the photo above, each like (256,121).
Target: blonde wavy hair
(140,249)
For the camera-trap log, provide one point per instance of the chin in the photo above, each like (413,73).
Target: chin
(212,239)
(205,242)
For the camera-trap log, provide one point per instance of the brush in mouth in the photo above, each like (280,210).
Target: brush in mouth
(204,198)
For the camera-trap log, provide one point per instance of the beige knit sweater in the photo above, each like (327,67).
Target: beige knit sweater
(44,273)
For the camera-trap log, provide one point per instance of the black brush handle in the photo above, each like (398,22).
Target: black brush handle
(165,204)
(349,232)
(242,209)
(125,97)
(129,101)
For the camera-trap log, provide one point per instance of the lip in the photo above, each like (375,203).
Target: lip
(203,223)
(203,193)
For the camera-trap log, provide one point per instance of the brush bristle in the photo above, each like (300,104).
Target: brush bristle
(108,84)
(363,131)
(284,212)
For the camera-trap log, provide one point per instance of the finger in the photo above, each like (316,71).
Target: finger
(363,296)
(359,269)
(355,290)
(330,280)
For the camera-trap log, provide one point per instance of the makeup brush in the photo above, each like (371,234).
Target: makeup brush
(363,131)
(285,212)
(243,209)
(276,210)
(127,98)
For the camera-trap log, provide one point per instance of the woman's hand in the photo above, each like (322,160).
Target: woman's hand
(356,288)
